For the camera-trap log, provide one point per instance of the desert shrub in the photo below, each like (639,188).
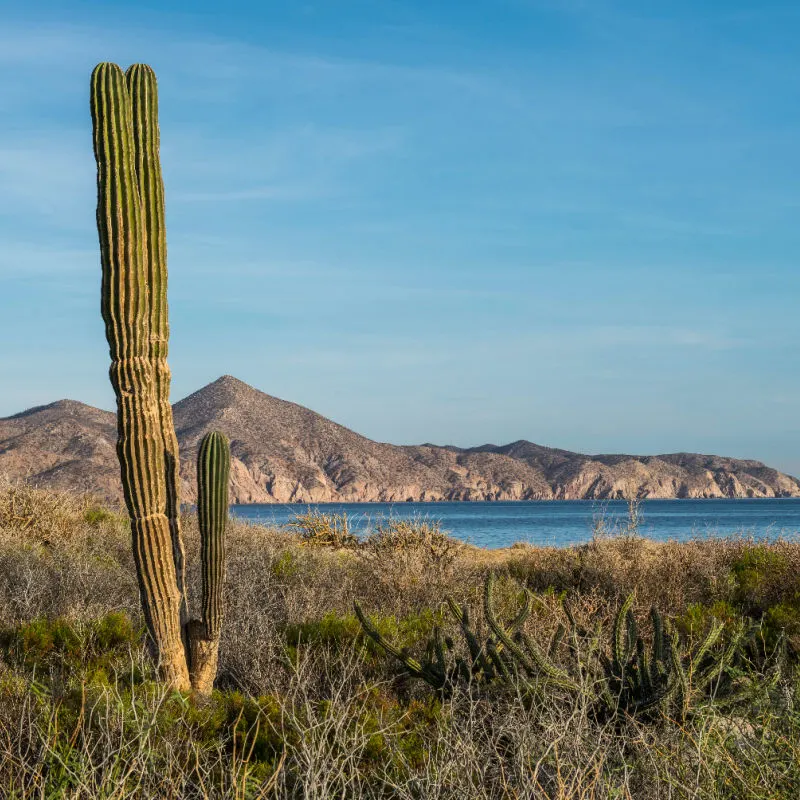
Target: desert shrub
(758,576)
(323,715)
(44,515)
(345,629)
(410,560)
(361,742)
(97,515)
(64,647)
(402,536)
(43,640)
(698,616)
(781,624)
(285,565)
(332,629)
(321,529)
(763,583)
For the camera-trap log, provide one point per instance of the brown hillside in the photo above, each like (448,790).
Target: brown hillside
(283,452)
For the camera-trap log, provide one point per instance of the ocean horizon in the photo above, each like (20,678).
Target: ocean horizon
(559,523)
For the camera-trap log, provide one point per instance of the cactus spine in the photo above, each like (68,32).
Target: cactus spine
(213,469)
(130,223)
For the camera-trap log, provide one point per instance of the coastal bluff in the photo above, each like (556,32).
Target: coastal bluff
(285,453)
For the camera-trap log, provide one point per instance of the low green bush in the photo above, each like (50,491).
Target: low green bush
(698,617)
(758,575)
(344,630)
(64,646)
(97,515)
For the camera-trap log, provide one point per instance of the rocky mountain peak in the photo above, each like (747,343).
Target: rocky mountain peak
(283,452)
(59,407)
(224,392)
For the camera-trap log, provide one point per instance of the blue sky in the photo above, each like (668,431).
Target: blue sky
(572,222)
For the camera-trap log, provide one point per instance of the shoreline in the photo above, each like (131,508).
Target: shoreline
(509,502)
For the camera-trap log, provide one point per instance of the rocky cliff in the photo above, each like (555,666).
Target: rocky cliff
(285,453)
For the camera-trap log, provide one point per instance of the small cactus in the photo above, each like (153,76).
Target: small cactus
(213,469)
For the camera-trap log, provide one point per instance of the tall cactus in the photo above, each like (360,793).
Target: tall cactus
(213,469)
(125,305)
(130,223)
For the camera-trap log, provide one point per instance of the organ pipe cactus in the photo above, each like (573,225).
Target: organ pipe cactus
(130,223)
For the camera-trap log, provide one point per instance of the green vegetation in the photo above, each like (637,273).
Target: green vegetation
(308,705)
(626,679)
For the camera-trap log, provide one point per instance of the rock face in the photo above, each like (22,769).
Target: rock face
(285,453)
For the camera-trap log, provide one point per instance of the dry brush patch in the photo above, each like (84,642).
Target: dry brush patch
(308,706)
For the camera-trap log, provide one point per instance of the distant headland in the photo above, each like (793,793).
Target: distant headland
(285,453)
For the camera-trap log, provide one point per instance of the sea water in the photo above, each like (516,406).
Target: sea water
(559,522)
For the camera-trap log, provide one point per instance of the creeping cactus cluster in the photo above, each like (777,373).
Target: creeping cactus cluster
(626,677)
(130,223)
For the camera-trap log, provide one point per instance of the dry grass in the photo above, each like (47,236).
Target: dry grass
(307,708)
(323,530)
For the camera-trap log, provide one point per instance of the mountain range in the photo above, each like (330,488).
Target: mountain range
(283,452)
